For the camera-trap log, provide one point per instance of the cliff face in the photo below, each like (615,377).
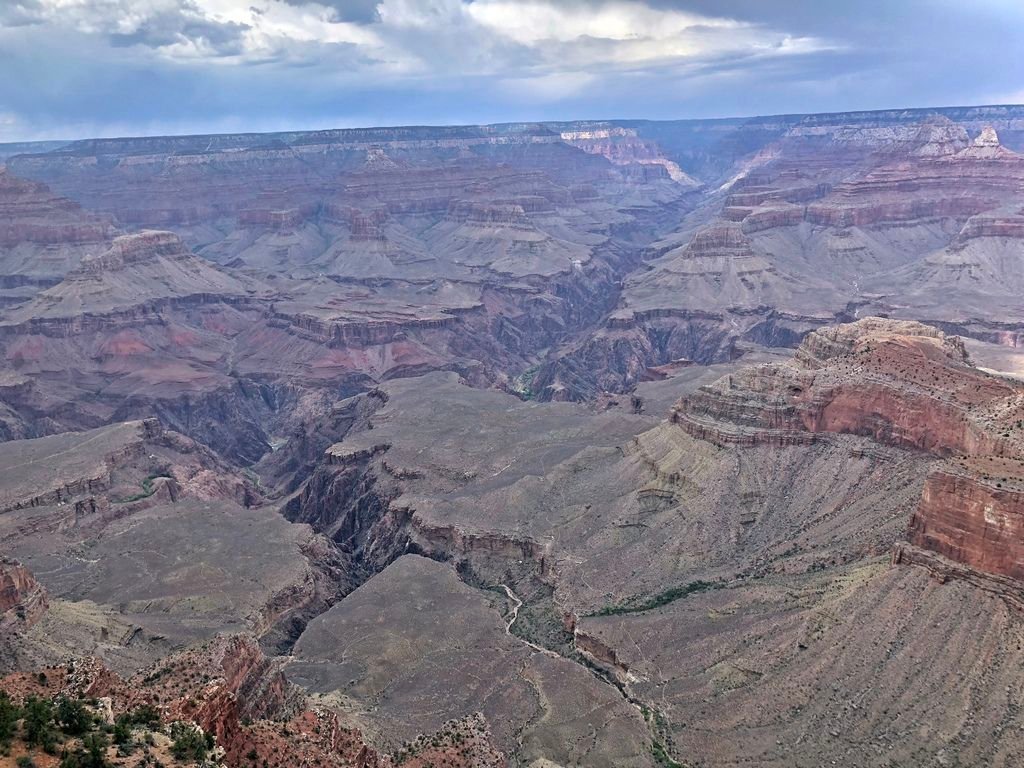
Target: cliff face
(836,217)
(973,513)
(31,213)
(231,690)
(902,384)
(22,599)
(623,146)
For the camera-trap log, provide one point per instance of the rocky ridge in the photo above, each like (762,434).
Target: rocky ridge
(230,690)
(903,384)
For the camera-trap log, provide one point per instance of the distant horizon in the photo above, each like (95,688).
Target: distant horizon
(120,68)
(610,120)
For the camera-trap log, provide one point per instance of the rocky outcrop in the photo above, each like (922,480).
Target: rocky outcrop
(623,147)
(902,384)
(23,600)
(229,689)
(243,684)
(31,213)
(972,512)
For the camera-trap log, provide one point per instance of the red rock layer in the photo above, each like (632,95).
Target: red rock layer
(973,518)
(229,688)
(31,213)
(22,599)
(899,382)
(902,384)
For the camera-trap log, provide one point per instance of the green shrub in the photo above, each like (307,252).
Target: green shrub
(9,715)
(38,714)
(146,715)
(122,732)
(189,742)
(73,717)
(636,605)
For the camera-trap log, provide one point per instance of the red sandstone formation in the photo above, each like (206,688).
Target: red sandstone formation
(902,384)
(973,512)
(230,689)
(22,599)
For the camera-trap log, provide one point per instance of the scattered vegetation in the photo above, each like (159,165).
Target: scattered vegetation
(148,489)
(523,383)
(662,757)
(190,743)
(659,728)
(72,730)
(638,604)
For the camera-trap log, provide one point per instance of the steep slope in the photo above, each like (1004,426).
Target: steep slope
(42,237)
(737,554)
(145,541)
(915,220)
(904,384)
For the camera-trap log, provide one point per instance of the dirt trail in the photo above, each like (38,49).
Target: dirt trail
(514,616)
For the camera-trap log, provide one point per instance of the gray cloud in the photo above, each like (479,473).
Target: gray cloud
(358,11)
(172,27)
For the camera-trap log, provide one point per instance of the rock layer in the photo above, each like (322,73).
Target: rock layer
(902,384)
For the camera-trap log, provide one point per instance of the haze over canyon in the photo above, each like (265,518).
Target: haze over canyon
(581,443)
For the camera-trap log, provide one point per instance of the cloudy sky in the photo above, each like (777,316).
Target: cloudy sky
(75,68)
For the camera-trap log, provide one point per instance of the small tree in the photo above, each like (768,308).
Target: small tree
(146,715)
(9,715)
(95,747)
(73,717)
(189,742)
(38,714)
(123,730)
(91,754)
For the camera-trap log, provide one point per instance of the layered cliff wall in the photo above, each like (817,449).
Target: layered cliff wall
(901,384)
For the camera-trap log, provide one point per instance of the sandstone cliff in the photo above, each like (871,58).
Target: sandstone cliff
(903,384)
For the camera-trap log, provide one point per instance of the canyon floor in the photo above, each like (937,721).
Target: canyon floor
(692,443)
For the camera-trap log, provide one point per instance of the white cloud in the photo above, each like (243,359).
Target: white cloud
(231,30)
(463,59)
(508,37)
(10,126)
(532,22)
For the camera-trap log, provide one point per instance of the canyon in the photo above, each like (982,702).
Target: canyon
(597,443)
